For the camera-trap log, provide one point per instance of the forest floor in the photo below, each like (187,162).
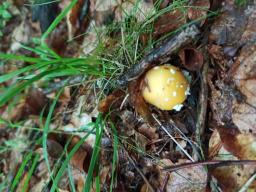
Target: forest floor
(73,116)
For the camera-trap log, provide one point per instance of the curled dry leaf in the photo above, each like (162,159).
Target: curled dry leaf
(191,58)
(82,158)
(79,17)
(198,10)
(231,178)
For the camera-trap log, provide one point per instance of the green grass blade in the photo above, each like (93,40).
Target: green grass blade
(97,183)
(71,179)
(115,156)
(58,20)
(45,134)
(19,58)
(31,171)
(95,154)
(8,76)
(20,171)
(70,155)
(37,51)
(14,90)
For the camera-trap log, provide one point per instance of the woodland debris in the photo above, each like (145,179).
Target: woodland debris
(157,55)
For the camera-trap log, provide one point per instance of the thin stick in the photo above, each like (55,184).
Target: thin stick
(173,139)
(218,163)
(158,54)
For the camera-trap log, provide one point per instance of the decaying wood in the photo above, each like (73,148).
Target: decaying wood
(203,99)
(155,57)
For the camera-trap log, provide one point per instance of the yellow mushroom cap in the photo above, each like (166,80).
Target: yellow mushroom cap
(165,87)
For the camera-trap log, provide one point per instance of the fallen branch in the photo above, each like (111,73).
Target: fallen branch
(215,163)
(176,42)
(203,100)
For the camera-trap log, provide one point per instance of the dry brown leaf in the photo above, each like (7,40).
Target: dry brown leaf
(139,9)
(168,22)
(216,52)
(148,131)
(112,101)
(58,40)
(138,102)
(54,149)
(199,10)
(103,5)
(20,35)
(235,26)
(188,179)
(82,158)
(191,58)
(243,73)
(231,178)
(79,17)
(238,144)
(33,104)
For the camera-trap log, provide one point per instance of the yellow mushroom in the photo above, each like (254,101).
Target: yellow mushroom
(165,87)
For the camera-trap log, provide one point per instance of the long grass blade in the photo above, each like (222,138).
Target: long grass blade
(95,154)
(20,171)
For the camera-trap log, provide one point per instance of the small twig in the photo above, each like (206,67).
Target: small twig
(203,99)
(123,102)
(163,186)
(217,163)
(71,81)
(173,139)
(173,124)
(139,171)
(159,53)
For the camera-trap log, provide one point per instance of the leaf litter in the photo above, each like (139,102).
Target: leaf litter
(146,144)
